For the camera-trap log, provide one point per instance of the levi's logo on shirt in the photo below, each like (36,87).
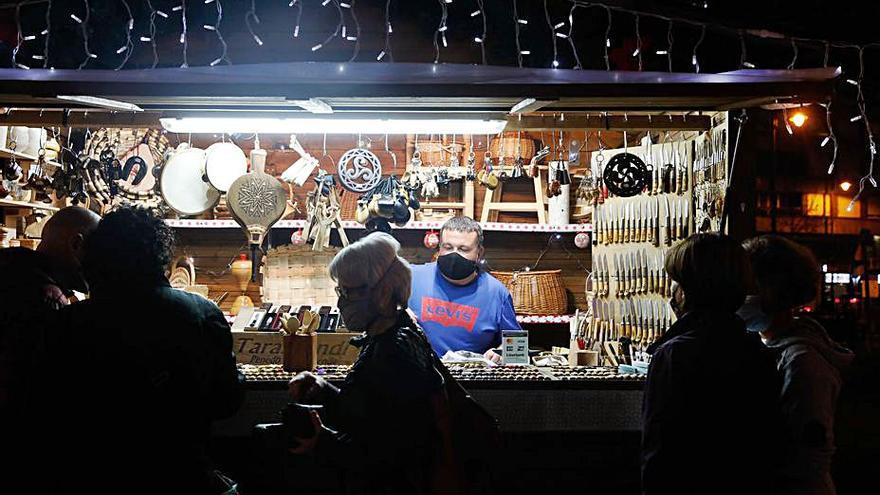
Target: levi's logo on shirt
(449,314)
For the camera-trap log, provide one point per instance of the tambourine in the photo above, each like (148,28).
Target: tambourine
(182,183)
(224,162)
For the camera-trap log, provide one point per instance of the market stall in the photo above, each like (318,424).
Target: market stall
(581,180)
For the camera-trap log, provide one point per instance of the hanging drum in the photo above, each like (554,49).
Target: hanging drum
(225,162)
(256,200)
(625,175)
(182,182)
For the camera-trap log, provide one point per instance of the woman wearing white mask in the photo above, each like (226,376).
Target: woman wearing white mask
(811,364)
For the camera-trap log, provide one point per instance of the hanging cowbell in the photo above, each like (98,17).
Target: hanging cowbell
(562,174)
(432,240)
(518,169)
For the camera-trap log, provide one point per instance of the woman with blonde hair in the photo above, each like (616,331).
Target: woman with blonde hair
(379,427)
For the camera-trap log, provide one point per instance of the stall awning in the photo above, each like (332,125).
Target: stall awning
(424,88)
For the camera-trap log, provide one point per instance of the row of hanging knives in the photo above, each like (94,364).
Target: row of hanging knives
(634,273)
(642,321)
(659,219)
(710,157)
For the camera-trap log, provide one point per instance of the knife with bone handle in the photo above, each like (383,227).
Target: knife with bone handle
(606,274)
(609,223)
(624,238)
(685,217)
(618,286)
(639,272)
(625,320)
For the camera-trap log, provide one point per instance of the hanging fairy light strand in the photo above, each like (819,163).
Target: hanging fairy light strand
(388,31)
(794,49)
(224,48)
(831,137)
(335,33)
(47,33)
(440,33)
(299,12)
(577,58)
(553,33)
(638,52)
(84,29)
(670,40)
(872,148)
(19,38)
(607,38)
(128,47)
(516,23)
(481,39)
(152,37)
(184,40)
(743,61)
(251,16)
(695,61)
(357,33)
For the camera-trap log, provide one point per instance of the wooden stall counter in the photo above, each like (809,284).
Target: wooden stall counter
(523,398)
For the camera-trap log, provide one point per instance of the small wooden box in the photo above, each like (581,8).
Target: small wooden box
(300,352)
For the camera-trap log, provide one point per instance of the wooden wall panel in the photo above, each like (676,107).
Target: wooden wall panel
(212,250)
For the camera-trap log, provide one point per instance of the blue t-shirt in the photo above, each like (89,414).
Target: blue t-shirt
(457,318)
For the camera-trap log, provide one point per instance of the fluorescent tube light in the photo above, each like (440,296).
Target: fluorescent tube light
(229,125)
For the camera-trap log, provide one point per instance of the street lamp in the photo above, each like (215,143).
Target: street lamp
(798,119)
(845,185)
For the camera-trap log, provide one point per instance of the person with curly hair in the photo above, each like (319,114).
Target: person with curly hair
(157,368)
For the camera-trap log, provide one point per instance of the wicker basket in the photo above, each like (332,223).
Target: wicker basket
(535,292)
(509,146)
(296,275)
(436,153)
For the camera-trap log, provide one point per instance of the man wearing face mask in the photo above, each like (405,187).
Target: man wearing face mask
(459,306)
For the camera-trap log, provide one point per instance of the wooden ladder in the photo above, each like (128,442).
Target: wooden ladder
(491,207)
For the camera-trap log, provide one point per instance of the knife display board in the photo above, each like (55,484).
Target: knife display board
(629,290)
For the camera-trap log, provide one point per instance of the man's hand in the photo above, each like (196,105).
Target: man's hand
(306,445)
(305,386)
(491,355)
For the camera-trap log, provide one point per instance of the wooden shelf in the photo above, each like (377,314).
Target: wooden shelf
(25,204)
(7,153)
(299,224)
(548,319)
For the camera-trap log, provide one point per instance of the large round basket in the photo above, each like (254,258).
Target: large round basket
(509,147)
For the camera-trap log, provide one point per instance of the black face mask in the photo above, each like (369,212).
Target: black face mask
(455,266)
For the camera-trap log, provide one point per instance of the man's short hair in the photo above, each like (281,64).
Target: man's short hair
(463,224)
(712,270)
(784,269)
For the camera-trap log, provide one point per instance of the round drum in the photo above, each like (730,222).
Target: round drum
(225,163)
(182,183)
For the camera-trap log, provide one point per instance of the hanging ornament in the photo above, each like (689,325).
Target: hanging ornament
(582,240)
(359,169)
(432,240)
(297,238)
(625,175)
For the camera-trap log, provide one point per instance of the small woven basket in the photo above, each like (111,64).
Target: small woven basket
(535,292)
